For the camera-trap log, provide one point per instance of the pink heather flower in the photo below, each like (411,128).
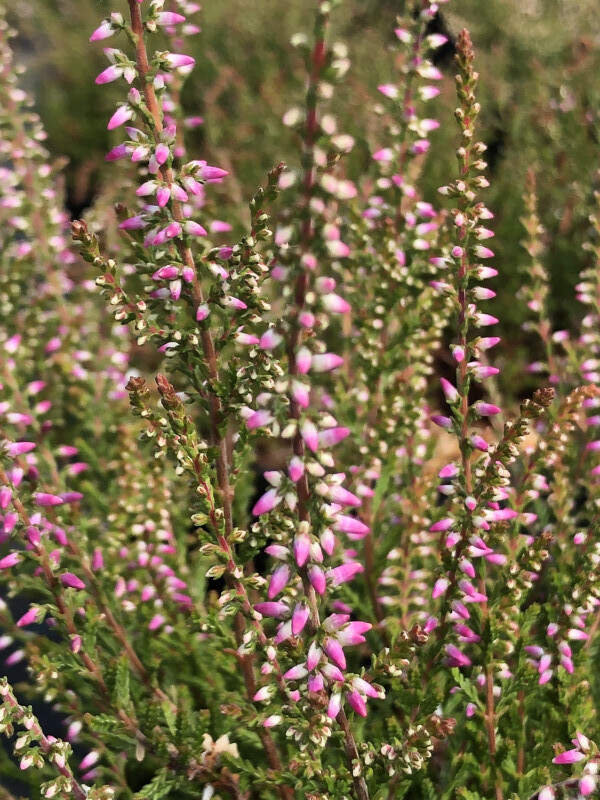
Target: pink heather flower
(442,525)
(267,502)
(103,31)
(351,526)
(310,435)
(169,18)
(344,573)
(235,303)
(388,89)
(484,320)
(176,60)
(483,252)
(272,721)
(299,618)
(296,673)
(352,633)
(259,419)
(335,304)
(457,656)
(356,701)
(327,540)
(269,340)
(440,587)
(110,74)
(272,608)
(45,499)
(568,757)
(167,273)
(212,174)
(195,229)
(335,652)
(278,581)
(70,580)
(342,496)
(29,617)
(88,761)
(296,468)
(120,117)
(587,785)
(156,622)
(479,443)
(577,635)
(545,676)
(303,360)
(326,362)
(218,226)
(301,394)
(15,449)
(449,471)
(264,693)
(331,436)
(301,549)
(317,579)
(11,560)
(5,496)
(335,705)
(486,409)
(450,391)
(163,195)
(385,154)
(133,223)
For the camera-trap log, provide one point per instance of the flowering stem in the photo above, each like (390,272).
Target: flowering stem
(77,790)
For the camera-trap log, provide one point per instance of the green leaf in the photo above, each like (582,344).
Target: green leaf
(122,682)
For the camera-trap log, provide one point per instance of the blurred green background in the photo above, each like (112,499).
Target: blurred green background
(538,61)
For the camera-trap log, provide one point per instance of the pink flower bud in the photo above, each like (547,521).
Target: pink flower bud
(103,31)
(273,608)
(356,701)
(296,469)
(169,18)
(335,705)
(344,573)
(278,581)
(352,526)
(29,617)
(70,580)
(110,74)
(176,60)
(309,434)
(11,560)
(303,360)
(335,652)
(326,362)
(440,587)
(331,436)
(317,579)
(45,499)
(120,117)
(195,229)
(450,391)
(296,673)
(301,549)
(568,757)
(267,502)
(299,619)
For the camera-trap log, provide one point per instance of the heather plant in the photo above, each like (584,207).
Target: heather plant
(278,531)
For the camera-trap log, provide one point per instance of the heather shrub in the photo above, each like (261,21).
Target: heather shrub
(275,524)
